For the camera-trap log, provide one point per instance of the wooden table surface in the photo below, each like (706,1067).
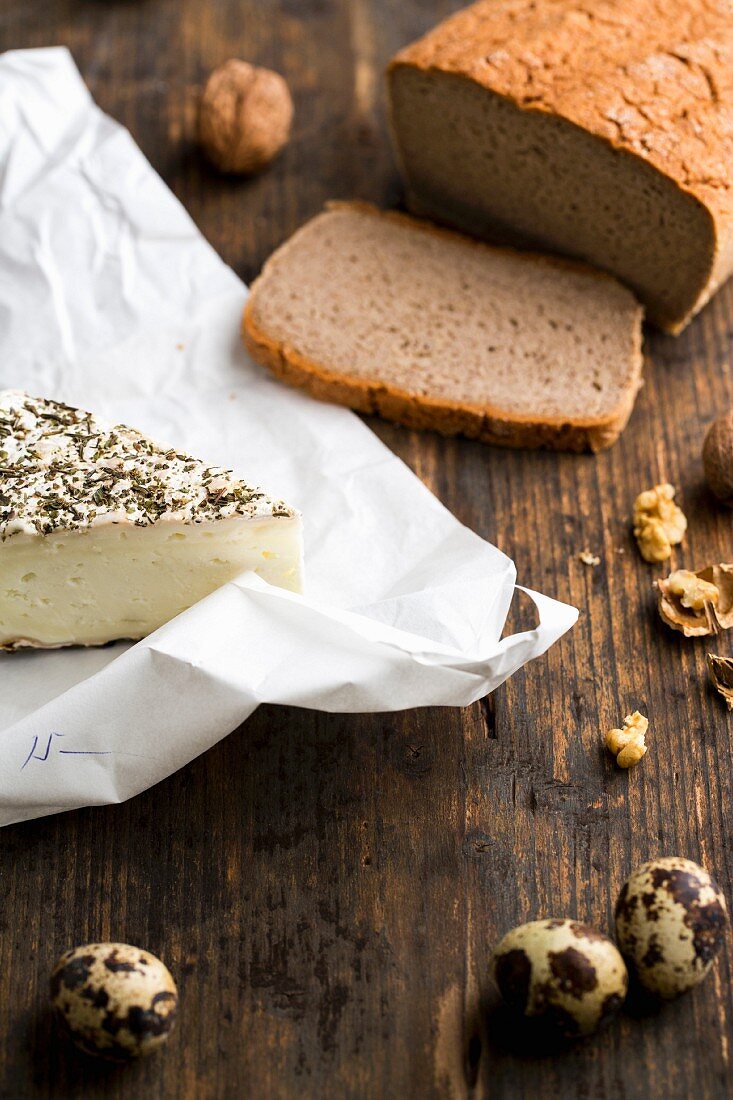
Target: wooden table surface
(327,889)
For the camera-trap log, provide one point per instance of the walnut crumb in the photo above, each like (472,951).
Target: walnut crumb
(659,524)
(588,558)
(627,744)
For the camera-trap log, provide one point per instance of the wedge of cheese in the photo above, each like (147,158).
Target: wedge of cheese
(106,535)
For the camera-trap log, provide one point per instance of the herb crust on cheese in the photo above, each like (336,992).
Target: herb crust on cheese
(62,469)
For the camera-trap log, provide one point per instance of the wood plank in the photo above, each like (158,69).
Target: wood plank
(327,889)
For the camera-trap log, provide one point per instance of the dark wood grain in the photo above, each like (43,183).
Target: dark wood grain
(327,889)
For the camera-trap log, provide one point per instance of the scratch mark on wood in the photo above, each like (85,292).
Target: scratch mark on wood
(448,1056)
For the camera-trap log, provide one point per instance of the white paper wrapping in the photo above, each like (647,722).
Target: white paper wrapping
(112,300)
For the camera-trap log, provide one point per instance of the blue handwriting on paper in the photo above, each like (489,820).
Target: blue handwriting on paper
(46,753)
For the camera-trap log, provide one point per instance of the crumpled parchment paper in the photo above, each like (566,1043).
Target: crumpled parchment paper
(111,299)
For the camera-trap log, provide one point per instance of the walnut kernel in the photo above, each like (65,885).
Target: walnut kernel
(659,524)
(627,744)
(245,117)
(692,591)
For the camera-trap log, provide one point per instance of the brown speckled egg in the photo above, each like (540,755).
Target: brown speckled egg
(670,924)
(562,972)
(114,1000)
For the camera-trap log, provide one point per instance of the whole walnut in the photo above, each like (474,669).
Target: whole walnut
(717,457)
(245,117)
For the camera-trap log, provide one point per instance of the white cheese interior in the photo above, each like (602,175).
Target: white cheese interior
(116,581)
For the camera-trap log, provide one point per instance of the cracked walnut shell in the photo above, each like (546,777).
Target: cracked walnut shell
(245,117)
(721,674)
(659,524)
(697,604)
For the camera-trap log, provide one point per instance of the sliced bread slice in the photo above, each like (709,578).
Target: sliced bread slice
(390,315)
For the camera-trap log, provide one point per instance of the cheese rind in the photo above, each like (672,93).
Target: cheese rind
(104,535)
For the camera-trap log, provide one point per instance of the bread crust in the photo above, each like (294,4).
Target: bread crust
(487,423)
(598,65)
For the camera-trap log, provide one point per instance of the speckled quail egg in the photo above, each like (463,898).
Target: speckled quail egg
(114,1000)
(670,924)
(562,972)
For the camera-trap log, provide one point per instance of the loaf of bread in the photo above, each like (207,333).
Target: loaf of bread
(432,329)
(602,129)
